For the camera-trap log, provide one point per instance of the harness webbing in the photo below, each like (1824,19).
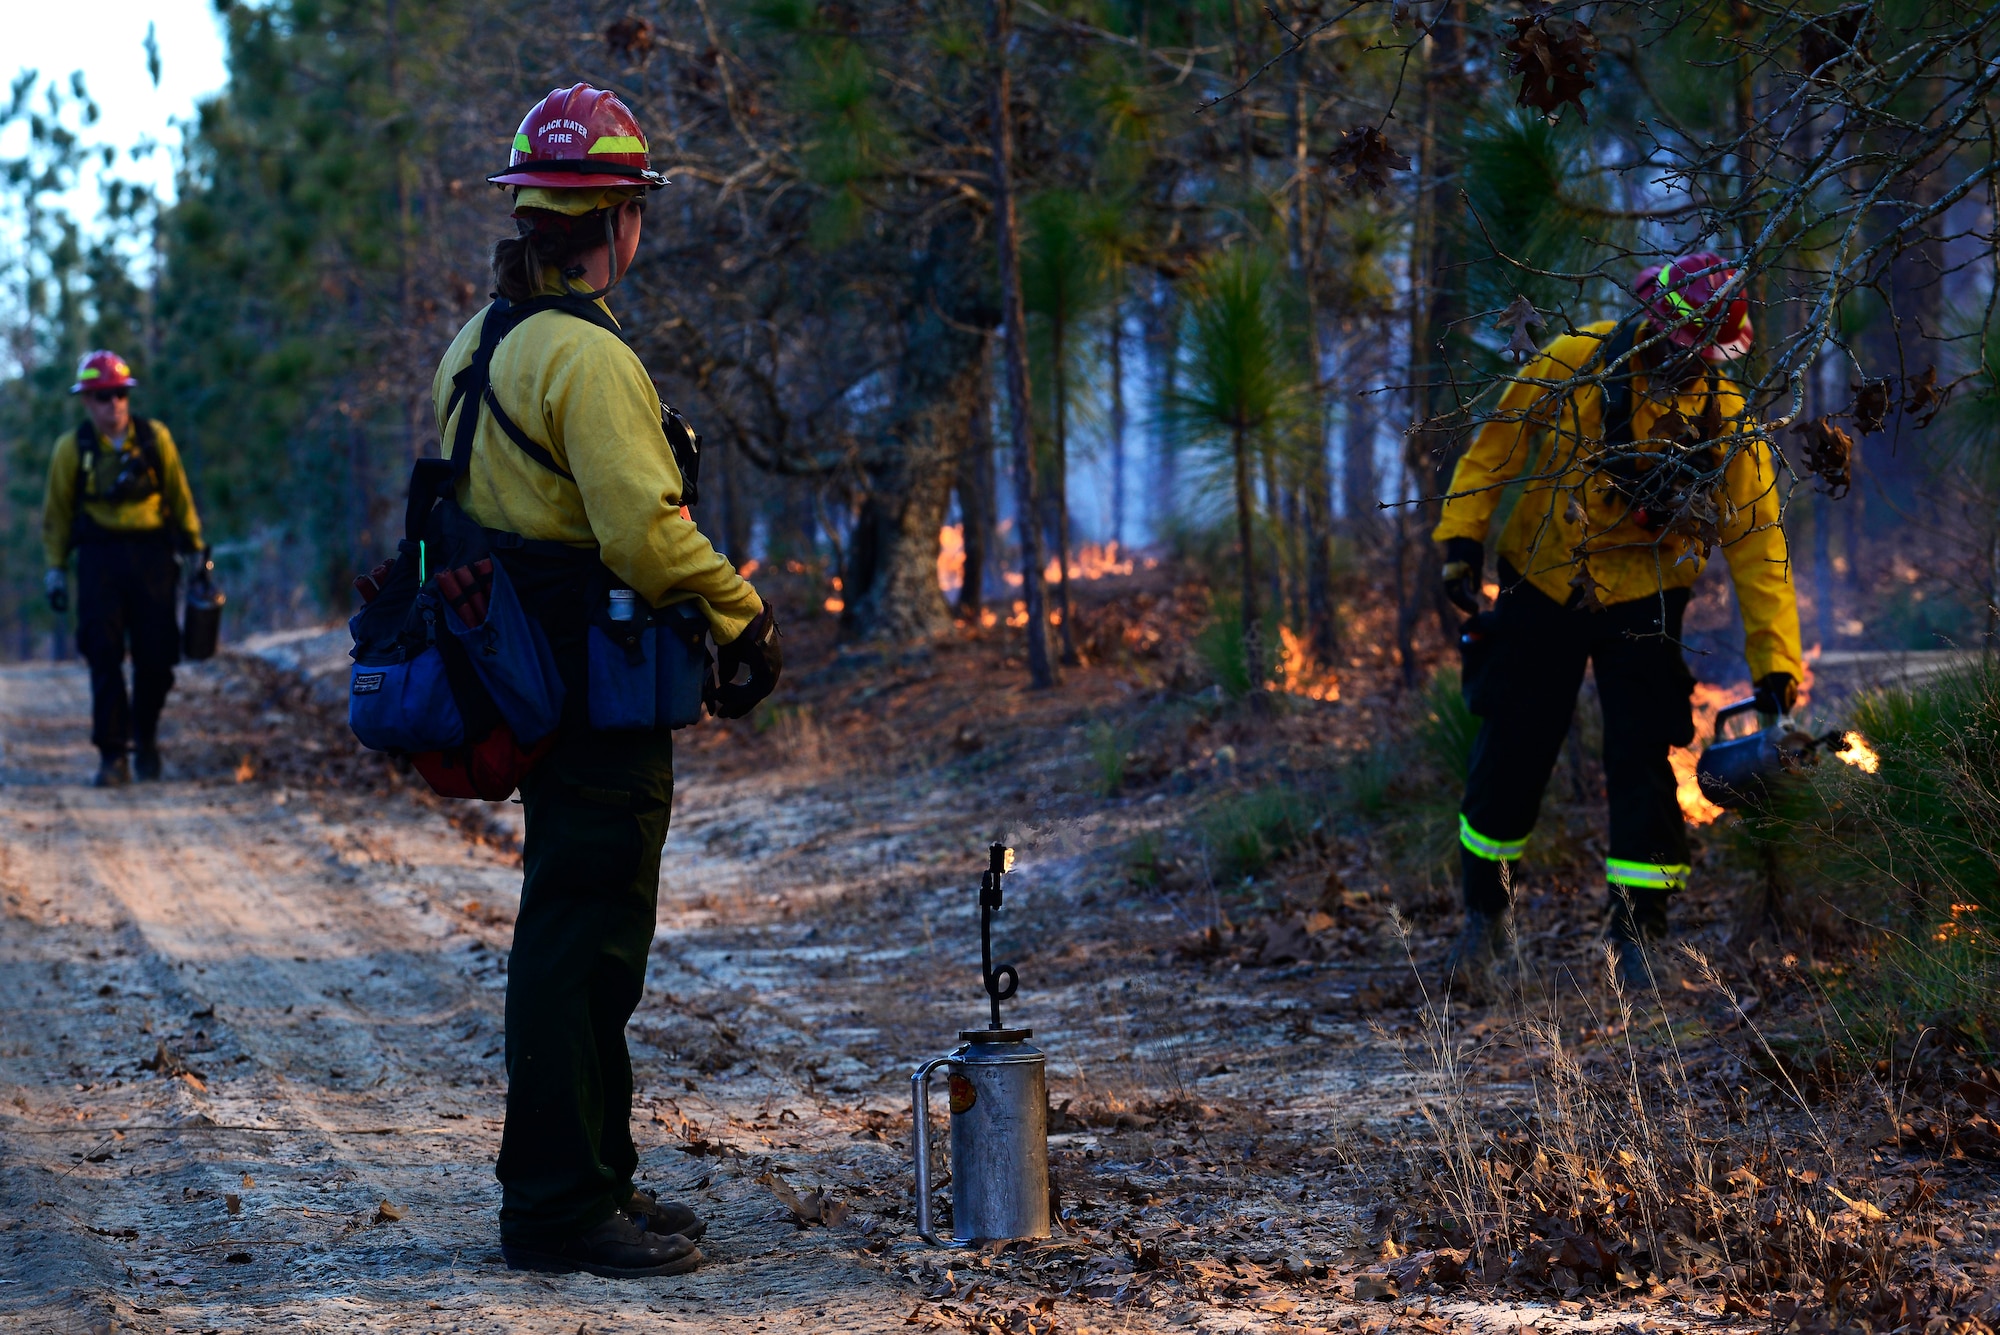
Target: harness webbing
(474,385)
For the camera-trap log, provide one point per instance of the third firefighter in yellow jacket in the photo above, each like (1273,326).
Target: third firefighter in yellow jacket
(1626,458)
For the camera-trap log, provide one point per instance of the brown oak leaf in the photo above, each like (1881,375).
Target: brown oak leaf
(630,37)
(1586,586)
(1840,36)
(1921,398)
(1872,401)
(1364,157)
(1521,317)
(1829,452)
(1554,62)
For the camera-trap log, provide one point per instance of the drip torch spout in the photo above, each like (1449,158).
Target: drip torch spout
(1000,982)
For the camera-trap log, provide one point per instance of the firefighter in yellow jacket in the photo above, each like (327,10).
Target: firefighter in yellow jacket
(118,497)
(1632,460)
(571,469)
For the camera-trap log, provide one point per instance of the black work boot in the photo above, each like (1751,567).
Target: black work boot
(112,772)
(1635,916)
(146,764)
(1486,939)
(615,1249)
(666,1218)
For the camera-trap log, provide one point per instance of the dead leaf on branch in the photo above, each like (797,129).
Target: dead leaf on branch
(630,37)
(1845,34)
(1521,317)
(1872,401)
(1364,158)
(1829,454)
(1921,397)
(1587,586)
(1554,61)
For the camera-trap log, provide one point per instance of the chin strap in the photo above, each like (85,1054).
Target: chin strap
(610,250)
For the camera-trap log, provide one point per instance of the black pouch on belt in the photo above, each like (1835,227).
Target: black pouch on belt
(1478,645)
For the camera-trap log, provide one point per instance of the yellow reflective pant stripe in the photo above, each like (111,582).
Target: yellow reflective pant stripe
(1494,850)
(1647,875)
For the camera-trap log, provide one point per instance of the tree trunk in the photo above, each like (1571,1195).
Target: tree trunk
(1323,631)
(975,494)
(1253,630)
(1359,487)
(1059,487)
(1117,359)
(891,586)
(1007,237)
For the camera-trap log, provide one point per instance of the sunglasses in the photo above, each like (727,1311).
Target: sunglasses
(108,395)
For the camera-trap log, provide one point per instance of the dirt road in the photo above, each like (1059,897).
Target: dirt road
(250,1063)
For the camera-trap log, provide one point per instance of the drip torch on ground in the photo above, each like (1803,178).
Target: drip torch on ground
(999,1109)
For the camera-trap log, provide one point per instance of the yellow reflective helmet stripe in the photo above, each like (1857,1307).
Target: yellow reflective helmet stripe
(1674,298)
(1493,850)
(521,144)
(619,143)
(90,373)
(1647,875)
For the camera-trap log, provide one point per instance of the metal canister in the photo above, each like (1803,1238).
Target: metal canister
(999,1090)
(1750,771)
(201,622)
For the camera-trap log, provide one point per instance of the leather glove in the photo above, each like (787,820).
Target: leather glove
(1464,570)
(55,586)
(756,649)
(1777,693)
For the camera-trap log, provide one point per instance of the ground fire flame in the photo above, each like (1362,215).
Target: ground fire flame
(1707,701)
(1297,673)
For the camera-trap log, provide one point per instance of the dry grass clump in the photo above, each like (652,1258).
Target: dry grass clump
(1623,1176)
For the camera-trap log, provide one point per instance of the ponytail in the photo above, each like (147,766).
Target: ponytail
(545,240)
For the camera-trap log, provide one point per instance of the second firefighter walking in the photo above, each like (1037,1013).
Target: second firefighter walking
(118,497)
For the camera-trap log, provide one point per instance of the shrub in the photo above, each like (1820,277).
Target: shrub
(1246,834)
(1445,727)
(1110,744)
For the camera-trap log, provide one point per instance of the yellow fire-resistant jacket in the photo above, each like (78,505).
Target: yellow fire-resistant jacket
(1550,438)
(173,502)
(579,391)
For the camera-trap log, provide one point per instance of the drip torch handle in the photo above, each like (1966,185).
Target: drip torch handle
(920,1142)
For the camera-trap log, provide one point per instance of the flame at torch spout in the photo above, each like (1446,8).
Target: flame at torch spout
(1855,751)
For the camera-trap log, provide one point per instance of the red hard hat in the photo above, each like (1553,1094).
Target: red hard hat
(102,369)
(579,137)
(1681,297)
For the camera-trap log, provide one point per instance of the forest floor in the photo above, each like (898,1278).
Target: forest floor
(250,1060)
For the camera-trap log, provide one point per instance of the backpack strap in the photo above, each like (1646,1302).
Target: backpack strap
(142,433)
(1617,388)
(473,386)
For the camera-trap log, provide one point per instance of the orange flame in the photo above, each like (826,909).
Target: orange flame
(836,603)
(1855,751)
(951,558)
(1297,674)
(1093,560)
(1707,701)
(1019,617)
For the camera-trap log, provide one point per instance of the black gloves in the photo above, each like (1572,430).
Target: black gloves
(1777,693)
(756,649)
(1464,571)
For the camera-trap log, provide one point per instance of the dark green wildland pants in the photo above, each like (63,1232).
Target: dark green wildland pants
(597,810)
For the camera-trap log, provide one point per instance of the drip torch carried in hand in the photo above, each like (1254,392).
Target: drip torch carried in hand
(1748,771)
(999,1109)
